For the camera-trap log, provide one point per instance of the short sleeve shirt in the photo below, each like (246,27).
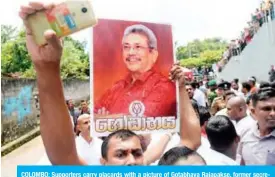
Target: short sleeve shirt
(256,149)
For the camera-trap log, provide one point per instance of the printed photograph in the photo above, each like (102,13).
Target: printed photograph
(131,89)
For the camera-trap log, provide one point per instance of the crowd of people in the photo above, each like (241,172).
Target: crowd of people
(76,112)
(225,123)
(237,127)
(263,14)
(203,72)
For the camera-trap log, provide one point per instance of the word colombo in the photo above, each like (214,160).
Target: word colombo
(134,124)
(69,174)
(146,174)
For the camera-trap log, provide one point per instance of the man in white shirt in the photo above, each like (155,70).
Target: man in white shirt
(257,147)
(88,148)
(237,111)
(235,89)
(224,141)
(196,94)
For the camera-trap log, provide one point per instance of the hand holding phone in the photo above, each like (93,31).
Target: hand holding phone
(65,18)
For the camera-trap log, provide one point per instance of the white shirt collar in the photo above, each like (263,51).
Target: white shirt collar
(213,157)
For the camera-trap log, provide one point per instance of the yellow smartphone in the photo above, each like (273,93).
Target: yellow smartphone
(65,18)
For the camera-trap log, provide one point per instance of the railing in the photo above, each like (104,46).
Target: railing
(235,49)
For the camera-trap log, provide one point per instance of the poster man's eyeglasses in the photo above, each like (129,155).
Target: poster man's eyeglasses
(136,48)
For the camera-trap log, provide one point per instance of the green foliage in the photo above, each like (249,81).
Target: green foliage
(29,73)
(74,61)
(15,58)
(201,53)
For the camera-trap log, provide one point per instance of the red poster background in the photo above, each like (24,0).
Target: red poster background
(108,66)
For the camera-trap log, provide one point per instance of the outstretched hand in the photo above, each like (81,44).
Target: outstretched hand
(48,55)
(177,74)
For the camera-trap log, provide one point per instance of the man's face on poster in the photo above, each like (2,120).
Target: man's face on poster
(137,54)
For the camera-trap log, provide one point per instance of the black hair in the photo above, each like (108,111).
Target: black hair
(263,94)
(236,80)
(246,86)
(122,134)
(204,115)
(177,153)
(264,84)
(255,80)
(189,84)
(195,85)
(228,93)
(221,132)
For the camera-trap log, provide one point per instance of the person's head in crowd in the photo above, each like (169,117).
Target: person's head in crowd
(236,80)
(212,85)
(236,108)
(200,83)
(234,85)
(222,87)
(267,84)
(181,156)
(204,116)
(264,84)
(83,125)
(252,81)
(263,109)
(70,103)
(253,77)
(227,95)
(246,88)
(122,147)
(249,104)
(140,51)
(195,85)
(222,135)
(190,90)
(84,106)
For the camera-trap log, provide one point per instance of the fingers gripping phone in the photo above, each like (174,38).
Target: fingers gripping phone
(65,18)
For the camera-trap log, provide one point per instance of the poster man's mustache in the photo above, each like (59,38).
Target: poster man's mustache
(130,58)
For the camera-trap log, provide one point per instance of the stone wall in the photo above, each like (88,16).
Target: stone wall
(20,108)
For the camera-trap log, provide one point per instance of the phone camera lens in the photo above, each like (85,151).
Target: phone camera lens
(84,9)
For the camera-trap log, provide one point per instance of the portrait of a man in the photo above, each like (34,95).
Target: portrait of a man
(141,78)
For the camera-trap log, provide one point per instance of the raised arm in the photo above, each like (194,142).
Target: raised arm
(190,131)
(155,150)
(55,123)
